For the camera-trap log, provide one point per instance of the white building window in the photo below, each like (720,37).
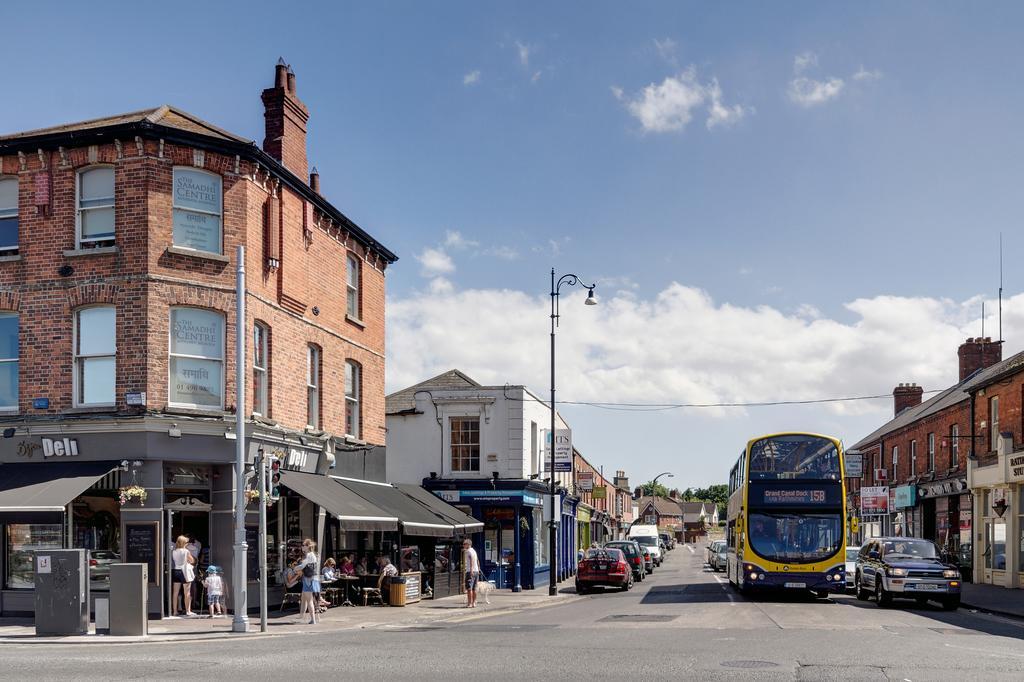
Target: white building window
(538,466)
(197,210)
(259,369)
(954,446)
(95,351)
(8,216)
(913,458)
(465,443)
(352,284)
(9,361)
(895,462)
(95,216)
(993,418)
(313,386)
(353,397)
(196,367)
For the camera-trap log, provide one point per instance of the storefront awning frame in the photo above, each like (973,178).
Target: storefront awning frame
(353,511)
(48,486)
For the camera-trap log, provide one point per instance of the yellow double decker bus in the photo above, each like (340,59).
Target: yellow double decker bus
(786,522)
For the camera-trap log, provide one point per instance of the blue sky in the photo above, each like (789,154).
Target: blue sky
(777,202)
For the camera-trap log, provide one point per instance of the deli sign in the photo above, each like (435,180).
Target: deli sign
(49,447)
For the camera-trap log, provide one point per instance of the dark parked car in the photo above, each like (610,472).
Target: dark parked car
(603,567)
(634,556)
(668,541)
(718,552)
(906,568)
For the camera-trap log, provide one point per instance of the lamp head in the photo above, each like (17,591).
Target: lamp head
(591,300)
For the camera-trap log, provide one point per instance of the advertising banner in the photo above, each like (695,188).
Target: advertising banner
(874,500)
(563,450)
(585,480)
(197,210)
(854,464)
(600,492)
(196,363)
(905,496)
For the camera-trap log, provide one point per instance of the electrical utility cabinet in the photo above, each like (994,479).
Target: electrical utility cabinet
(61,591)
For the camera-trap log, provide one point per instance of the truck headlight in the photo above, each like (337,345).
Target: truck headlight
(951,573)
(898,572)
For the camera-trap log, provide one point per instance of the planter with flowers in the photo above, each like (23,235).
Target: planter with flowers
(132,493)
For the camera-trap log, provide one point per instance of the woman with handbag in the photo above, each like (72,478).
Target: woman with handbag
(309,566)
(183,573)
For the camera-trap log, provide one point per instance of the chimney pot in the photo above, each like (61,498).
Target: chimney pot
(291,80)
(286,117)
(314,180)
(906,396)
(280,73)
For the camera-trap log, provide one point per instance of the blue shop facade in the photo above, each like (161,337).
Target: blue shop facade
(513,547)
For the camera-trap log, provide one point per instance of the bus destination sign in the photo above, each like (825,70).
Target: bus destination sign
(793,496)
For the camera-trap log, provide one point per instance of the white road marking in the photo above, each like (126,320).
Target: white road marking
(690,547)
(985,651)
(725,587)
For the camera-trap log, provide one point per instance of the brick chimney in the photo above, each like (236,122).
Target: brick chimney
(978,354)
(906,396)
(286,118)
(621,481)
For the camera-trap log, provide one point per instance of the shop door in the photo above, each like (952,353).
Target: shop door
(995,551)
(928,525)
(195,525)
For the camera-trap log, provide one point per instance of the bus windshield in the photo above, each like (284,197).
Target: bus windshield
(795,538)
(794,457)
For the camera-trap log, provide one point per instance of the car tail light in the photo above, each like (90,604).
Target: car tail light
(93,562)
(636,560)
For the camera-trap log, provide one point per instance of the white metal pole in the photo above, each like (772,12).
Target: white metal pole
(263,541)
(241,595)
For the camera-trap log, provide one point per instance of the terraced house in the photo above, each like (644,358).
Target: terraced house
(118,243)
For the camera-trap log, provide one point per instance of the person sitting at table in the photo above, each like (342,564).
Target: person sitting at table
(329,572)
(347,567)
(361,568)
(387,568)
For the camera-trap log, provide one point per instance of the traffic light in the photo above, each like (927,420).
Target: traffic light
(275,479)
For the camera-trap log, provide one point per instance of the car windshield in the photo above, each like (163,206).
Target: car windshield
(909,548)
(852,553)
(795,538)
(646,539)
(794,457)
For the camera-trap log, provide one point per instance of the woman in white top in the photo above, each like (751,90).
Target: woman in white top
(310,581)
(182,575)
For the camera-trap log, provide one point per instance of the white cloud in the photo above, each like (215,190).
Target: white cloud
(453,239)
(808,92)
(471,78)
(804,61)
(535,77)
(670,105)
(863,74)
(524,53)
(502,252)
(616,92)
(720,114)
(435,262)
(682,346)
(666,49)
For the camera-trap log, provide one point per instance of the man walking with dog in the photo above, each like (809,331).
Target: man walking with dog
(472,567)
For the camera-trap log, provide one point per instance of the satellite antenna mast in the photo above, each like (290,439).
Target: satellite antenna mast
(983,319)
(1000,287)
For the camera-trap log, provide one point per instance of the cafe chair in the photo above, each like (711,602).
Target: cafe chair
(374,593)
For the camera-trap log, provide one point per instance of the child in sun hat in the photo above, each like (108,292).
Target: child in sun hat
(214,585)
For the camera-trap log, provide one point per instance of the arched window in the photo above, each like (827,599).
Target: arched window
(95,215)
(95,361)
(353,399)
(197,210)
(196,363)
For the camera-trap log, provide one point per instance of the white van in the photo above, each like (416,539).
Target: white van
(647,536)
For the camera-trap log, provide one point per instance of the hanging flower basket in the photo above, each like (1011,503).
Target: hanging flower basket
(251,496)
(132,493)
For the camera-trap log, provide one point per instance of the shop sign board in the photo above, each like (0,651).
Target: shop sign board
(1015,468)
(563,450)
(457,496)
(854,463)
(905,496)
(197,210)
(874,500)
(585,479)
(600,492)
(197,357)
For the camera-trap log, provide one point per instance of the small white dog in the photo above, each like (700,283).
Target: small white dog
(483,591)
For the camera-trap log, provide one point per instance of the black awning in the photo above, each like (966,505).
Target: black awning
(462,521)
(49,486)
(353,511)
(414,517)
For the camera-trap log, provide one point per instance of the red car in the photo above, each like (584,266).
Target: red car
(605,567)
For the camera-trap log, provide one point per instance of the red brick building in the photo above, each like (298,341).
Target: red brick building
(918,461)
(118,240)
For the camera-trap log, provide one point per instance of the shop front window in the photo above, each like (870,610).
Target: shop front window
(540,545)
(22,540)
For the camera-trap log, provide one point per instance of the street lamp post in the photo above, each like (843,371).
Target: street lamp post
(655,481)
(570,280)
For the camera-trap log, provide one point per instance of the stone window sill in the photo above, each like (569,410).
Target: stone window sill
(206,255)
(98,251)
(91,409)
(356,321)
(10,259)
(190,411)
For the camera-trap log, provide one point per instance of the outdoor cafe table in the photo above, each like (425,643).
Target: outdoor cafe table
(348,580)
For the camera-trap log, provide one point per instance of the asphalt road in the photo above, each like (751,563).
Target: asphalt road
(680,622)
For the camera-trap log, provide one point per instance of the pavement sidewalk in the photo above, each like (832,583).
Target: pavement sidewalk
(448,609)
(1008,602)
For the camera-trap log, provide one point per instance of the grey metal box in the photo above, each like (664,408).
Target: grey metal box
(62,592)
(128,599)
